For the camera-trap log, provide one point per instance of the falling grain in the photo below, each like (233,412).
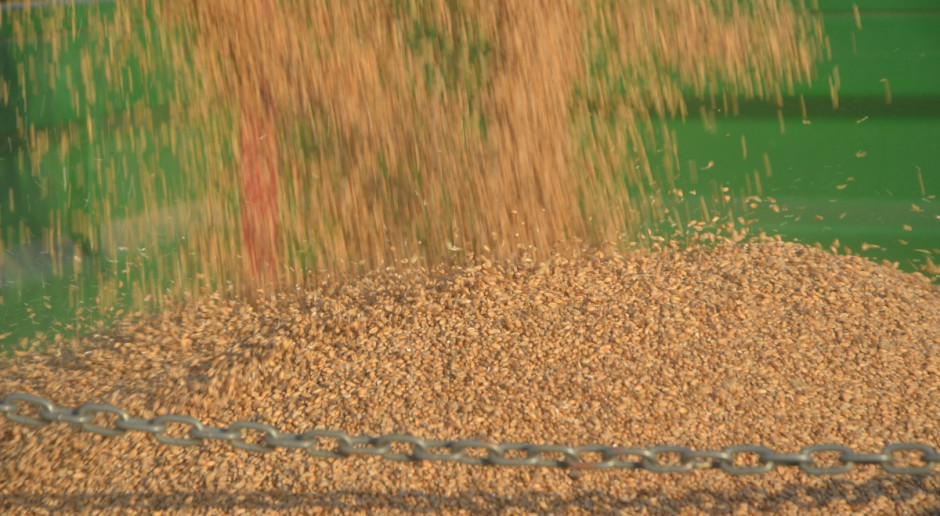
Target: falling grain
(887,87)
(920,182)
(370,140)
(395,204)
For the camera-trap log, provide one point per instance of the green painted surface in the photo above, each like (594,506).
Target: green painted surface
(874,7)
(852,173)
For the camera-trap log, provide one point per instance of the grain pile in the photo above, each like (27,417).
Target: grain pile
(343,137)
(762,342)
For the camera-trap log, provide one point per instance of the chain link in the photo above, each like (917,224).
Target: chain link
(337,444)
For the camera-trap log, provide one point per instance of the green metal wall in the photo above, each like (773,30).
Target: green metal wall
(852,173)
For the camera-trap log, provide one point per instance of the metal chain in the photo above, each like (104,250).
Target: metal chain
(338,444)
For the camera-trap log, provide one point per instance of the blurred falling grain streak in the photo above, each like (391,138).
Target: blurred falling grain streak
(350,136)
(484,153)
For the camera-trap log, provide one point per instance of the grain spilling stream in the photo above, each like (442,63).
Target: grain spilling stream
(762,342)
(301,137)
(318,141)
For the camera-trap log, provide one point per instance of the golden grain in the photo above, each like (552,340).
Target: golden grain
(453,143)
(425,132)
